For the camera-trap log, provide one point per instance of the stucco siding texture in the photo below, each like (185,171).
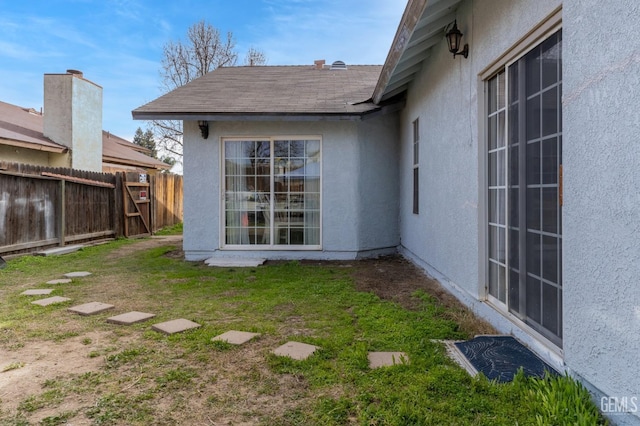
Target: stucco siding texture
(601,212)
(446,234)
(86,122)
(343,188)
(379,189)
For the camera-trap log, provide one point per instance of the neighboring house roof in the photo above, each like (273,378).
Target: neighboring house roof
(23,127)
(422,26)
(121,151)
(251,92)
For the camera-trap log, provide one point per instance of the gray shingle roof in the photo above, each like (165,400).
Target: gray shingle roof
(269,90)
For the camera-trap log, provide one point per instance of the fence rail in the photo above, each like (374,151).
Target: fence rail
(43,207)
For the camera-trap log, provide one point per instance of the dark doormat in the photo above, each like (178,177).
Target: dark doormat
(500,357)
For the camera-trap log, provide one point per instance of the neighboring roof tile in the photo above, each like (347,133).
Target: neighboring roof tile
(270,90)
(116,149)
(23,126)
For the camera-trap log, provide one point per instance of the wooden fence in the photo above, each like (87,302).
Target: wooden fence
(43,207)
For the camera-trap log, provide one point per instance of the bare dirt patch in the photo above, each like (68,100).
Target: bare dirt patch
(29,367)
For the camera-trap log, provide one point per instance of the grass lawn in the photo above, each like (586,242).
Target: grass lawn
(58,367)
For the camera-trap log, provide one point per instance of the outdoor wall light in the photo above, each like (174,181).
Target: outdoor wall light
(204,128)
(454,37)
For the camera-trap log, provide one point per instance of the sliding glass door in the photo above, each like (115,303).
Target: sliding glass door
(524,124)
(272,193)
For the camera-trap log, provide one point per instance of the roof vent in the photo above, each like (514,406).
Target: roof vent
(338,65)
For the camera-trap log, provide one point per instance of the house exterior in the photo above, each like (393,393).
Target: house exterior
(69,134)
(260,178)
(509,175)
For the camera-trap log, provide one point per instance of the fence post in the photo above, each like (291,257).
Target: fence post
(63,218)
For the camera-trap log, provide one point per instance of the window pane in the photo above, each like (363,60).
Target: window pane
(501,96)
(513,165)
(514,248)
(550,104)
(502,246)
(493,205)
(533,163)
(534,248)
(550,259)
(493,242)
(550,308)
(514,210)
(550,210)
(550,161)
(532,61)
(500,130)
(313,148)
(501,206)
(514,130)
(550,56)
(493,132)
(514,81)
(533,118)
(514,291)
(533,208)
(494,280)
(533,298)
(492,94)
(416,191)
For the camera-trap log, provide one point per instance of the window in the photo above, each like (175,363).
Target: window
(272,192)
(524,163)
(416,160)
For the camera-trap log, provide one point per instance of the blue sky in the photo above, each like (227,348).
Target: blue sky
(118,43)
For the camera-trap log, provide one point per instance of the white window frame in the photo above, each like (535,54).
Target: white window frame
(265,247)
(546,28)
(415,171)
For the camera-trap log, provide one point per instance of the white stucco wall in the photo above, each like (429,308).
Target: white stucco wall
(349,194)
(379,189)
(601,216)
(446,235)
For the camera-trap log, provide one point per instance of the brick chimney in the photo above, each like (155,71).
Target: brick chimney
(73,117)
(319,64)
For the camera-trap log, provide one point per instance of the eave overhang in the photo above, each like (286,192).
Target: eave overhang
(34,146)
(421,28)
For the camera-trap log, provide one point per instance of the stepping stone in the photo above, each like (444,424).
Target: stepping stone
(385,359)
(50,301)
(90,308)
(175,326)
(296,350)
(37,291)
(236,337)
(60,281)
(130,318)
(78,274)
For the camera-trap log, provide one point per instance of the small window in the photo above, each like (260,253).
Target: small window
(416,161)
